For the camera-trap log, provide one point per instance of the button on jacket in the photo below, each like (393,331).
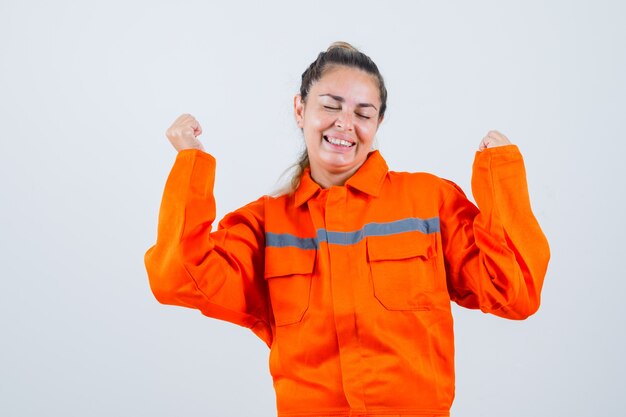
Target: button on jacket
(350,286)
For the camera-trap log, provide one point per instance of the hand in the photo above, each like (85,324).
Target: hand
(492,140)
(183,133)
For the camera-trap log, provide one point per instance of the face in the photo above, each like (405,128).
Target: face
(339,120)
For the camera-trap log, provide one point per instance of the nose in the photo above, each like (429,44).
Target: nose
(344,121)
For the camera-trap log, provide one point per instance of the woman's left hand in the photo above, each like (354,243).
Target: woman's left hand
(492,140)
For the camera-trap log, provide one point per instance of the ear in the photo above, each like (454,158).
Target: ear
(380,120)
(298,110)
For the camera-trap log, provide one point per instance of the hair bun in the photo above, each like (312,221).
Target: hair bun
(341,45)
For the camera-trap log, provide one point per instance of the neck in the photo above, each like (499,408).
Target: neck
(328,179)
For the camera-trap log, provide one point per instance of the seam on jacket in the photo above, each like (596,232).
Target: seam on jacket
(495,214)
(182,231)
(247,317)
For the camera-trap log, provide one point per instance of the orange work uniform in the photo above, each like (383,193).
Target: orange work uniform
(350,286)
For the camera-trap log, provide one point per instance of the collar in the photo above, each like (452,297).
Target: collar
(368,179)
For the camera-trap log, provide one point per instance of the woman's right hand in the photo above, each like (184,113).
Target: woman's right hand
(183,133)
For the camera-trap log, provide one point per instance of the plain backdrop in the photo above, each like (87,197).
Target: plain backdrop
(87,90)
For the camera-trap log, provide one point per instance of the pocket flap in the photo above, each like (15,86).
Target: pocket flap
(285,261)
(401,246)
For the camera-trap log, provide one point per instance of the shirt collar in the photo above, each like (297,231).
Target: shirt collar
(368,179)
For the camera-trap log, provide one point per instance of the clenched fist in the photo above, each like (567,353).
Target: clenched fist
(493,139)
(183,133)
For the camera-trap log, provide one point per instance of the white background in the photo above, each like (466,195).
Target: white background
(87,90)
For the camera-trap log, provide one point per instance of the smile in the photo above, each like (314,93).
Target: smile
(338,142)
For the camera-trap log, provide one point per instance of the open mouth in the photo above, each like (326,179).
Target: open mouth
(338,142)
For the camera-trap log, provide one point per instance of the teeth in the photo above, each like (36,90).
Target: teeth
(339,142)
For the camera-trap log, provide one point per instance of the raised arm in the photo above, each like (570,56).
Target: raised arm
(497,256)
(218,272)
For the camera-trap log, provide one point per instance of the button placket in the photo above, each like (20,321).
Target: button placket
(343,298)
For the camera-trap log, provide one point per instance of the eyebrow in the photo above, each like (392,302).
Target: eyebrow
(341,100)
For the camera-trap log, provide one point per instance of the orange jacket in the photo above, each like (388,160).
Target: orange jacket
(350,286)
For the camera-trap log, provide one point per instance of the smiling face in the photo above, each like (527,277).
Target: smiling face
(339,120)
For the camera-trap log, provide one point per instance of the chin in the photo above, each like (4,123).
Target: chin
(341,165)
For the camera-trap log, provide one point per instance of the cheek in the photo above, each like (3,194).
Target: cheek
(366,132)
(321,121)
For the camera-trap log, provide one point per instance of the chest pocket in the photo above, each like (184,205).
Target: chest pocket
(403,270)
(289,273)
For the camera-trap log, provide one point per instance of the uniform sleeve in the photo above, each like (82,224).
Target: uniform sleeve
(496,256)
(218,272)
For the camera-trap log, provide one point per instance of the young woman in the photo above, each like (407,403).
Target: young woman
(348,277)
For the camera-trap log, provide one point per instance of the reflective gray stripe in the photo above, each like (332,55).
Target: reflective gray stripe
(412,224)
(281,240)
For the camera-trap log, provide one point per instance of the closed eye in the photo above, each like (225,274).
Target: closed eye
(362,116)
(332,108)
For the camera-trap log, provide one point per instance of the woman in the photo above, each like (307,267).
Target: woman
(348,278)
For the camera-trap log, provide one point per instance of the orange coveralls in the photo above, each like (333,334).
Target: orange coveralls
(350,286)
